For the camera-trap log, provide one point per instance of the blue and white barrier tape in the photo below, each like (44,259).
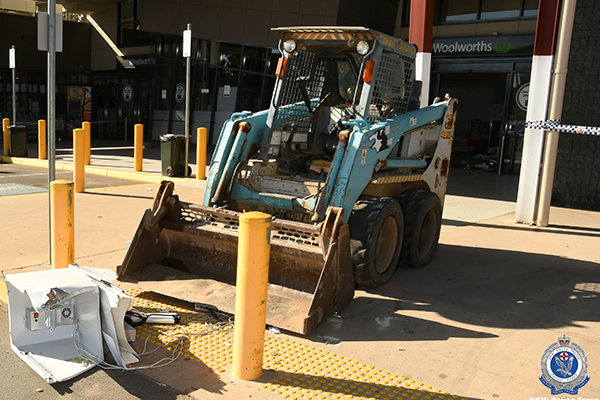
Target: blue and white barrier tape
(555,125)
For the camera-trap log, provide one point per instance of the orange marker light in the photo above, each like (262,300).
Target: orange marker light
(368,74)
(280,67)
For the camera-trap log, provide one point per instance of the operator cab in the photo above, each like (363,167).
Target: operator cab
(325,78)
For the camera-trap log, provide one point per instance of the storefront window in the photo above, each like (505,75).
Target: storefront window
(254,59)
(202,98)
(231,55)
(530,8)
(476,10)
(492,9)
(458,10)
(250,91)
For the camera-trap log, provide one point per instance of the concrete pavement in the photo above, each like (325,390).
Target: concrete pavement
(474,323)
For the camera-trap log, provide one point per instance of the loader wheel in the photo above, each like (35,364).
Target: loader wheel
(423,215)
(376,231)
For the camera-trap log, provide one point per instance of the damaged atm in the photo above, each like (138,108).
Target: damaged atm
(60,318)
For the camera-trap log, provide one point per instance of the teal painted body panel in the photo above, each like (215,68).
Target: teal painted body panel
(222,152)
(356,171)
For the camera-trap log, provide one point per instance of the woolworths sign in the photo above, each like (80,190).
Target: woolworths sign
(516,45)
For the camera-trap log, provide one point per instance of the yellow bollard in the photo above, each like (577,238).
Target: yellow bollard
(62,226)
(79,160)
(138,146)
(6,137)
(201,153)
(251,295)
(87,127)
(42,139)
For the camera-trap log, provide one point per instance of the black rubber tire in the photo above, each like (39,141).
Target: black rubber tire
(170,171)
(423,221)
(376,232)
(189,171)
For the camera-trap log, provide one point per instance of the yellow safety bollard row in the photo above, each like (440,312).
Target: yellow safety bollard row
(42,139)
(87,127)
(6,133)
(62,226)
(201,153)
(138,147)
(79,160)
(251,295)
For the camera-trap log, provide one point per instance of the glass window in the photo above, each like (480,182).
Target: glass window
(268,92)
(254,59)
(458,10)
(231,55)
(127,11)
(202,99)
(346,80)
(493,9)
(530,9)
(249,92)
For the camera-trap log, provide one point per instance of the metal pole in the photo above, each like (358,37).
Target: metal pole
(14,92)
(556,105)
(51,106)
(187,108)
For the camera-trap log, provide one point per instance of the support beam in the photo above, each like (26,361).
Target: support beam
(421,34)
(537,109)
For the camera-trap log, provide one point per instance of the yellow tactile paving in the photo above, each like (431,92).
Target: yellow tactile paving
(299,371)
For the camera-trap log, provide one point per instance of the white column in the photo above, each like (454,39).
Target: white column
(423,74)
(533,142)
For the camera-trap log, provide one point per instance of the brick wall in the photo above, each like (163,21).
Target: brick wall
(577,180)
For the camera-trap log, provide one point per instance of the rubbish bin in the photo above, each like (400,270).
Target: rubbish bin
(172,154)
(18,141)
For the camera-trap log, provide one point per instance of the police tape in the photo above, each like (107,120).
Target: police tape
(555,125)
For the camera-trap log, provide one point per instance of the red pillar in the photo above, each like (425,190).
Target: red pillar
(421,33)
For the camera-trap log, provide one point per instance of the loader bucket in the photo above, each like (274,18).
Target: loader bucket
(189,252)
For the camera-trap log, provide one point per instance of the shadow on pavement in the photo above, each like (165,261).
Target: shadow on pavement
(287,384)
(475,286)
(565,230)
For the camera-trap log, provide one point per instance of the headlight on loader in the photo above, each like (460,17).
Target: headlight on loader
(362,47)
(290,46)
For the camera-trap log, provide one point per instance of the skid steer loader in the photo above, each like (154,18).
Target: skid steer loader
(353,172)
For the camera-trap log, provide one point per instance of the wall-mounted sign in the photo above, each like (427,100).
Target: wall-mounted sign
(483,46)
(226,91)
(127,93)
(522,97)
(142,61)
(163,94)
(179,92)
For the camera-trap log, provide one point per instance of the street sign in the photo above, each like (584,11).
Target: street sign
(11,58)
(187,43)
(42,42)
